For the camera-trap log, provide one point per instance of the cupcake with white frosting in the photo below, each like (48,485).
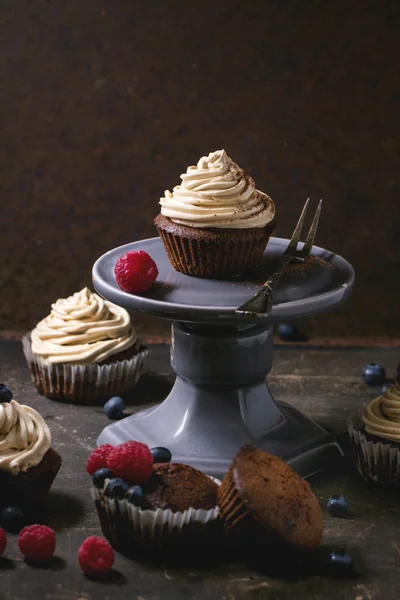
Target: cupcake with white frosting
(375,436)
(215,224)
(28,463)
(85,349)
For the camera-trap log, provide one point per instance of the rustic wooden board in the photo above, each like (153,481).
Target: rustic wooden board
(325,384)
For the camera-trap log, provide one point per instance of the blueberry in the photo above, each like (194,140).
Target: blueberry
(161,455)
(12,519)
(373,374)
(289,333)
(337,506)
(6,394)
(341,562)
(135,496)
(114,407)
(116,488)
(386,386)
(100,476)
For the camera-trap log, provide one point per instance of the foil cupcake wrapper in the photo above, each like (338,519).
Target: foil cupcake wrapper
(83,383)
(128,527)
(377,462)
(202,258)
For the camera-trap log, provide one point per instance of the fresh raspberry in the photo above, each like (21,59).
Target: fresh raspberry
(95,556)
(37,542)
(3,541)
(132,461)
(98,458)
(135,271)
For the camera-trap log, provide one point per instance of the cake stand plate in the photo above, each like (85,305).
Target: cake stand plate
(220,399)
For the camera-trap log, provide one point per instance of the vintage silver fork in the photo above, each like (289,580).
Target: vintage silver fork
(261,302)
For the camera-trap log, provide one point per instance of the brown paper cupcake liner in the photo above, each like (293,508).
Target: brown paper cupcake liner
(29,491)
(377,462)
(128,527)
(220,255)
(83,383)
(239,525)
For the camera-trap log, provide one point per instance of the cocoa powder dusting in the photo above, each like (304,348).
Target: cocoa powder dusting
(301,268)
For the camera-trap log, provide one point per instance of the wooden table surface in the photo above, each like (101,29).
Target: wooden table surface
(325,384)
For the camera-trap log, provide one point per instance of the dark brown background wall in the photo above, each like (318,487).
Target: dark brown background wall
(105,103)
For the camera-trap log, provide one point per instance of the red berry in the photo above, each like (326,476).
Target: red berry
(37,542)
(3,541)
(98,458)
(95,556)
(132,461)
(135,271)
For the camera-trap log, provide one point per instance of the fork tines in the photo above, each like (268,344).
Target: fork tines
(294,240)
(261,302)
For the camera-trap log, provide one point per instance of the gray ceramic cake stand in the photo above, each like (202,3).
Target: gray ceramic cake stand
(220,399)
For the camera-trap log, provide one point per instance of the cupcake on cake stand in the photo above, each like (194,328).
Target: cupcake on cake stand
(220,399)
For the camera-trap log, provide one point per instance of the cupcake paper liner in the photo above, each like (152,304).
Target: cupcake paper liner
(233,508)
(129,527)
(239,525)
(210,259)
(376,461)
(83,383)
(29,490)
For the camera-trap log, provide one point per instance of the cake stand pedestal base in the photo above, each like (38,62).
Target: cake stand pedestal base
(221,401)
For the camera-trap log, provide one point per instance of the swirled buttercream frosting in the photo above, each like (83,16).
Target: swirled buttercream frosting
(24,437)
(83,329)
(381,416)
(217,193)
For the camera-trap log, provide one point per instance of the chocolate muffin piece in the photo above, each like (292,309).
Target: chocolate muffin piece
(376,439)
(29,490)
(179,487)
(213,253)
(263,499)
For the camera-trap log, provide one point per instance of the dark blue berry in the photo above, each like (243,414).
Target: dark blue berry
(337,506)
(135,496)
(12,519)
(161,455)
(6,394)
(116,488)
(289,333)
(341,562)
(386,386)
(100,476)
(373,374)
(114,407)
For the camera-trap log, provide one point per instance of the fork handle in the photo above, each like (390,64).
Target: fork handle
(261,302)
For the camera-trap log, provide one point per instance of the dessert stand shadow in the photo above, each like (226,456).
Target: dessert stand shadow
(220,399)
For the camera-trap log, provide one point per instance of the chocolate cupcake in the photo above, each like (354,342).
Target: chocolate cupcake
(28,464)
(178,506)
(375,436)
(215,224)
(86,349)
(262,500)
(178,487)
